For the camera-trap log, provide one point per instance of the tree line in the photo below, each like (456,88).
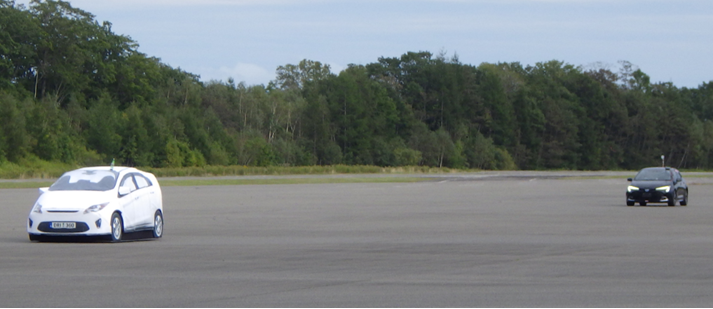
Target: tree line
(73,91)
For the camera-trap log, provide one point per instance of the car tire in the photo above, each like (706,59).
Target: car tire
(642,203)
(684,201)
(672,200)
(157,224)
(117,227)
(629,203)
(35,237)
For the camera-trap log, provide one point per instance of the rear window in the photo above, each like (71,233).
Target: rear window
(653,174)
(85,180)
(141,181)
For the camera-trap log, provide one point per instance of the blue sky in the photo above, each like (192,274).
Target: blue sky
(671,41)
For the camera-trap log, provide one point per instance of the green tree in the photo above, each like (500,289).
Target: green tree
(52,135)
(501,114)
(18,34)
(62,61)
(292,76)
(71,90)
(14,140)
(179,154)
(102,127)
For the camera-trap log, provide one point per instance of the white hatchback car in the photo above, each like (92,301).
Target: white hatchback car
(95,201)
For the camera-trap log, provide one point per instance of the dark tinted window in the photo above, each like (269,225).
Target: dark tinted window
(653,174)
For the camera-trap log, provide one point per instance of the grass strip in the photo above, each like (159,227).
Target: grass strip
(238,170)
(25,184)
(36,169)
(624,177)
(39,169)
(235,182)
(283,181)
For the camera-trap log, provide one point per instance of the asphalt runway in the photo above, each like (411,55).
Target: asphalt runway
(517,240)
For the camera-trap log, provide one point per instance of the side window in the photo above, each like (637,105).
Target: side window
(128,182)
(142,181)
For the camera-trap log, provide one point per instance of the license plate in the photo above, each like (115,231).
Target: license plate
(64,225)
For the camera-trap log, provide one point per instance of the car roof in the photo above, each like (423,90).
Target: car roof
(661,168)
(658,168)
(117,169)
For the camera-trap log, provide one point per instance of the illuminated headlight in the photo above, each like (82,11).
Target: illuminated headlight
(95,208)
(632,188)
(664,189)
(37,208)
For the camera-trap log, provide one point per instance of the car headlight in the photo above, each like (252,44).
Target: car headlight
(632,188)
(95,208)
(37,208)
(664,189)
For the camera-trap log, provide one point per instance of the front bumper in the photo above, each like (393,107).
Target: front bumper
(85,224)
(649,195)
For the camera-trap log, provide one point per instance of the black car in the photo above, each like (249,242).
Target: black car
(657,185)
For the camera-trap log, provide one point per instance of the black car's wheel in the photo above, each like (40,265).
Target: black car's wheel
(629,203)
(117,227)
(642,203)
(157,224)
(672,200)
(684,201)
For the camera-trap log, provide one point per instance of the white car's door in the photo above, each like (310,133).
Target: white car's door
(144,208)
(129,201)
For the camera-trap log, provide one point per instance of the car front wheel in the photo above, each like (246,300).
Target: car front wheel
(117,227)
(684,201)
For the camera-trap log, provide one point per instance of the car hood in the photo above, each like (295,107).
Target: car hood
(651,184)
(74,200)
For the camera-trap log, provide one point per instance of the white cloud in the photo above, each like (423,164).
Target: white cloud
(251,74)
(133,4)
(94,6)
(207,37)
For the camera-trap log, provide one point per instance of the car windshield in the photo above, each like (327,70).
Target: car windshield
(85,180)
(653,174)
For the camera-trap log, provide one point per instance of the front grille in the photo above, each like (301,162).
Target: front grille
(47,228)
(651,196)
(63,211)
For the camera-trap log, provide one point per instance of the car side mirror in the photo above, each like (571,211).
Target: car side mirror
(124,191)
(629,179)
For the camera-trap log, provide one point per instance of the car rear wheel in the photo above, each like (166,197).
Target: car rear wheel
(157,224)
(117,227)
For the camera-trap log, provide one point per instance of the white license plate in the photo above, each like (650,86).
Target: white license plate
(64,225)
